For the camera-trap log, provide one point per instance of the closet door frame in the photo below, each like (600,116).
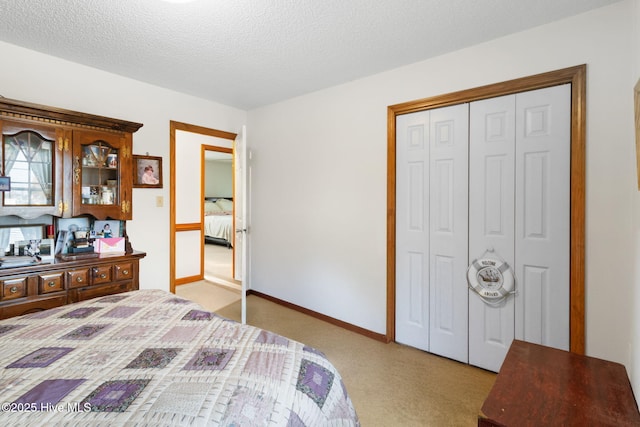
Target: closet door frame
(576,76)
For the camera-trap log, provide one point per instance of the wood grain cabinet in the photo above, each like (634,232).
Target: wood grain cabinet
(102,174)
(44,143)
(65,164)
(544,386)
(40,287)
(81,164)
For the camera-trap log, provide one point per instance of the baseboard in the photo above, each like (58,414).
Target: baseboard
(348,326)
(187,280)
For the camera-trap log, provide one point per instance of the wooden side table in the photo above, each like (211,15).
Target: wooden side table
(543,386)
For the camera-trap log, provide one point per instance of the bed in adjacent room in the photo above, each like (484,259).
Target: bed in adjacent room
(148,357)
(218,221)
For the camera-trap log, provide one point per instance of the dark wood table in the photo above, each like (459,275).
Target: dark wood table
(543,386)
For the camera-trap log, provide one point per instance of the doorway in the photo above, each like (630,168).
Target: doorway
(574,76)
(186,213)
(218,210)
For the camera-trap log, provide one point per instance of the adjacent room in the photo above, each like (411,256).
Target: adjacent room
(319,213)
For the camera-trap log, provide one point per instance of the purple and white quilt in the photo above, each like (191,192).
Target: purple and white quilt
(148,357)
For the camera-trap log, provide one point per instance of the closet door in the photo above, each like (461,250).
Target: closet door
(491,222)
(431,231)
(490,179)
(519,199)
(448,224)
(543,194)
(412,230)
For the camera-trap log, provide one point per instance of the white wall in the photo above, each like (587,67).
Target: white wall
(218,178)
(635,217)
(319,174)
(30,76)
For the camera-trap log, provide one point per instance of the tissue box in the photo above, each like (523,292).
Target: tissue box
(109,245)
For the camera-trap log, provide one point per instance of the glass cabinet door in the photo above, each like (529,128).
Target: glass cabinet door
(99,162)
(99,176)
(31,156)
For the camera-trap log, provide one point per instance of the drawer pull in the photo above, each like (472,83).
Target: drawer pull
(125,272)
(13,289)
(52,284)
(103,276)
(79,279)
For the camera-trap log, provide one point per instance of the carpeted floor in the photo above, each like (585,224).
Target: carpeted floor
(219,288)
(218,264)
(210,295)
(389,384)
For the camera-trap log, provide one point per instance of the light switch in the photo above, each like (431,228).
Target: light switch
(159,201)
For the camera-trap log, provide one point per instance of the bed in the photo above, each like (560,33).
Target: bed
(218,221)
(148,357)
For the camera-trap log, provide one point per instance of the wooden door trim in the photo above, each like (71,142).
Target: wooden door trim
(175,228)
(577,77)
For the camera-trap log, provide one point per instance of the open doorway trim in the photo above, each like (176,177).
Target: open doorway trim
(577,77)
(175,228)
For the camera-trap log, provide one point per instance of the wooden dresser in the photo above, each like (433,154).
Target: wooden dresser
(85,168)
(39,287)
(543,386)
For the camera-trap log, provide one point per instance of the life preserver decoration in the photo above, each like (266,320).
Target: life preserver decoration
(490,277)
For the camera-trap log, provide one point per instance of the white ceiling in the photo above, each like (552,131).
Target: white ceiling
(249,53)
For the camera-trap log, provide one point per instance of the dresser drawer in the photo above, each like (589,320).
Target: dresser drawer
(101,274)
(77,278)
(40,304)
(14,288)
(50,283)
(123,271)
(103,290)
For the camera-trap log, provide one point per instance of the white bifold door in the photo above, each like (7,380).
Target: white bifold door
(431,236)
(491,175)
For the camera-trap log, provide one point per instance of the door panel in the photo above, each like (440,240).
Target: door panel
(448,190)
(412,231)
(187,259)
(491,222)
(543,209)
(240,262)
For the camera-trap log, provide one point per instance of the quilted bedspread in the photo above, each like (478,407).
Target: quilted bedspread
(150,358)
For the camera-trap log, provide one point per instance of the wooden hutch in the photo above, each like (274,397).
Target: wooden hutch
(64,164)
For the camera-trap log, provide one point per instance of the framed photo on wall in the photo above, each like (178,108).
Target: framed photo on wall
(147,171)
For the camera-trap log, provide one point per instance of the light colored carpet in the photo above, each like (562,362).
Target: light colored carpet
(218,264)
(389,384)
(210,295)
(219,289)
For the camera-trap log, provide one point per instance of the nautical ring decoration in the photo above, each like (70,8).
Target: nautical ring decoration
(490,278)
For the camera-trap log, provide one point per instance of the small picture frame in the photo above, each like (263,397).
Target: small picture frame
(73,224)
(35,247)
(66,228)
(147,171)
(5,183)
(106,229)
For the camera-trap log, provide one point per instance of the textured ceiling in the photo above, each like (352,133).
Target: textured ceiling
(249,53)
